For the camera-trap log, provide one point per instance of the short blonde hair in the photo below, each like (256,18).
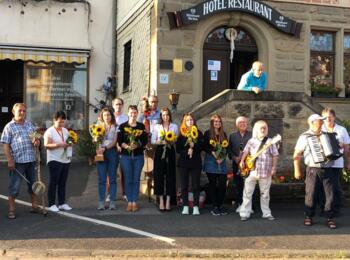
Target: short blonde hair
(257,126)
(18,105)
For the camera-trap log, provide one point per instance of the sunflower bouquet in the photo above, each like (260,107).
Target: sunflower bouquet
(72,139)
(133,136)
(97,132)
(191,134)
(169,138)
(219,149)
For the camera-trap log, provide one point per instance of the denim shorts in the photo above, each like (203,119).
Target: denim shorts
(27,170)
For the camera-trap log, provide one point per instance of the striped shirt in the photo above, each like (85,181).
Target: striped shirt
(17,136)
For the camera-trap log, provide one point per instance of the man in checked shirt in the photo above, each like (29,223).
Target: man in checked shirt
(265,168)
(20,155)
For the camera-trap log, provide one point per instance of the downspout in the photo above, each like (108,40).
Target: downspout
(114,47)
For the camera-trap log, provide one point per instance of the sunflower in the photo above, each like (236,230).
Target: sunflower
(73,135)
(161,133)
(224,144)
(137,132)
(194,132)
(183,131)
(100,130)
(128,130)
(212,143)
(170,136)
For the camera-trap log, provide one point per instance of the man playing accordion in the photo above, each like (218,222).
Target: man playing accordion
(318,171)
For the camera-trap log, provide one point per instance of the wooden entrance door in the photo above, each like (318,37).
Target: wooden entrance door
(217,48)
(218,80)
(11,88)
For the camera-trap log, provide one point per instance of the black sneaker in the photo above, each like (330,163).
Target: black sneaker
(215,212)
(223,211)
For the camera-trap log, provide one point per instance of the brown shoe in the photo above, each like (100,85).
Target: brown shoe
(129,208)
(135,207)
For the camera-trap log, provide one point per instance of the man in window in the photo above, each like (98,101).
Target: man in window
(254,80)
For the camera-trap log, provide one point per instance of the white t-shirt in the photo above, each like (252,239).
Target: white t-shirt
(342,137)
(58,154)
(155,137)
(121,119)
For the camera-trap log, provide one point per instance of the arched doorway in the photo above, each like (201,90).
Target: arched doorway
(218,72)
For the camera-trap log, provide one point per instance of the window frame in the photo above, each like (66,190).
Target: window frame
(127,66)
(314,53)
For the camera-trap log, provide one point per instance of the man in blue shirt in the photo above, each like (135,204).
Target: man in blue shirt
(254,80)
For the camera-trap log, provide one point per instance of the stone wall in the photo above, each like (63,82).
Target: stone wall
(285,112)
(138,30)
(286,58)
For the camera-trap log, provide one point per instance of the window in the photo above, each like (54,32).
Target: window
(127,61)
(322,58)
(347,64)
(52,87)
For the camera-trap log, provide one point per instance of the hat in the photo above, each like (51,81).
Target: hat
(314,117)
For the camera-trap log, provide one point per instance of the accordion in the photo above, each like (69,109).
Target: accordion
(324,147)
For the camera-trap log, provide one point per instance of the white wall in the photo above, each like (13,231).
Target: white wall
(100,37)
(41,25)
(125,7)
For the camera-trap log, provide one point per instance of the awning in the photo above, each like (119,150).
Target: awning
(44,54)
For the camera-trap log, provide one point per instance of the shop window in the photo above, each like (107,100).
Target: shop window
(56,87)
(127,63)
(322,59)
(347,64)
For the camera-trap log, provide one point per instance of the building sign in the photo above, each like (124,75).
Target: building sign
(254,7)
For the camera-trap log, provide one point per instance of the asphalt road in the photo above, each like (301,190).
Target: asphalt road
(34,232)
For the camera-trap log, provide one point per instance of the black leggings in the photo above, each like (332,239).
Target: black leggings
(217,188)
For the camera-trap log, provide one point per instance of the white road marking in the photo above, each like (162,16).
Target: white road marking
(105,223)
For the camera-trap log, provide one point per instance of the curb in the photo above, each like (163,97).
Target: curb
(170,254)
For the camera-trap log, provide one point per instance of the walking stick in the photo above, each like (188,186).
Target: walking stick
(39,187)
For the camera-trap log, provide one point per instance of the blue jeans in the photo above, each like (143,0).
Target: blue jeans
(108,167)
(132,166)
(28,171)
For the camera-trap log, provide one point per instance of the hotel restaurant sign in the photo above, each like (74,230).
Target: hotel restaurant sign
(254,7)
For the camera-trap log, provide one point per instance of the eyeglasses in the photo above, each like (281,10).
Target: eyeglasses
(154,101)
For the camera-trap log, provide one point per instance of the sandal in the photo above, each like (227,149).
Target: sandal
(35,210)
(11,214)
(331,224)
(308,222)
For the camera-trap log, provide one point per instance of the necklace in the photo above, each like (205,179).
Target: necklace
(60,133)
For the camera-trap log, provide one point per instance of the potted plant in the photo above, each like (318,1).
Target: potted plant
(324,89)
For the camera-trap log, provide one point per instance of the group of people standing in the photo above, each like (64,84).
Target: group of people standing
(126,138)
(166,139)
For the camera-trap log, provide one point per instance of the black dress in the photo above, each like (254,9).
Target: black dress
(164,171)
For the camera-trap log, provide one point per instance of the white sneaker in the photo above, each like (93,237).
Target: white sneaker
(195,211)
(64,207)
(185,210)
(108,199)
(269,217)
(238,209)
(54,208)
